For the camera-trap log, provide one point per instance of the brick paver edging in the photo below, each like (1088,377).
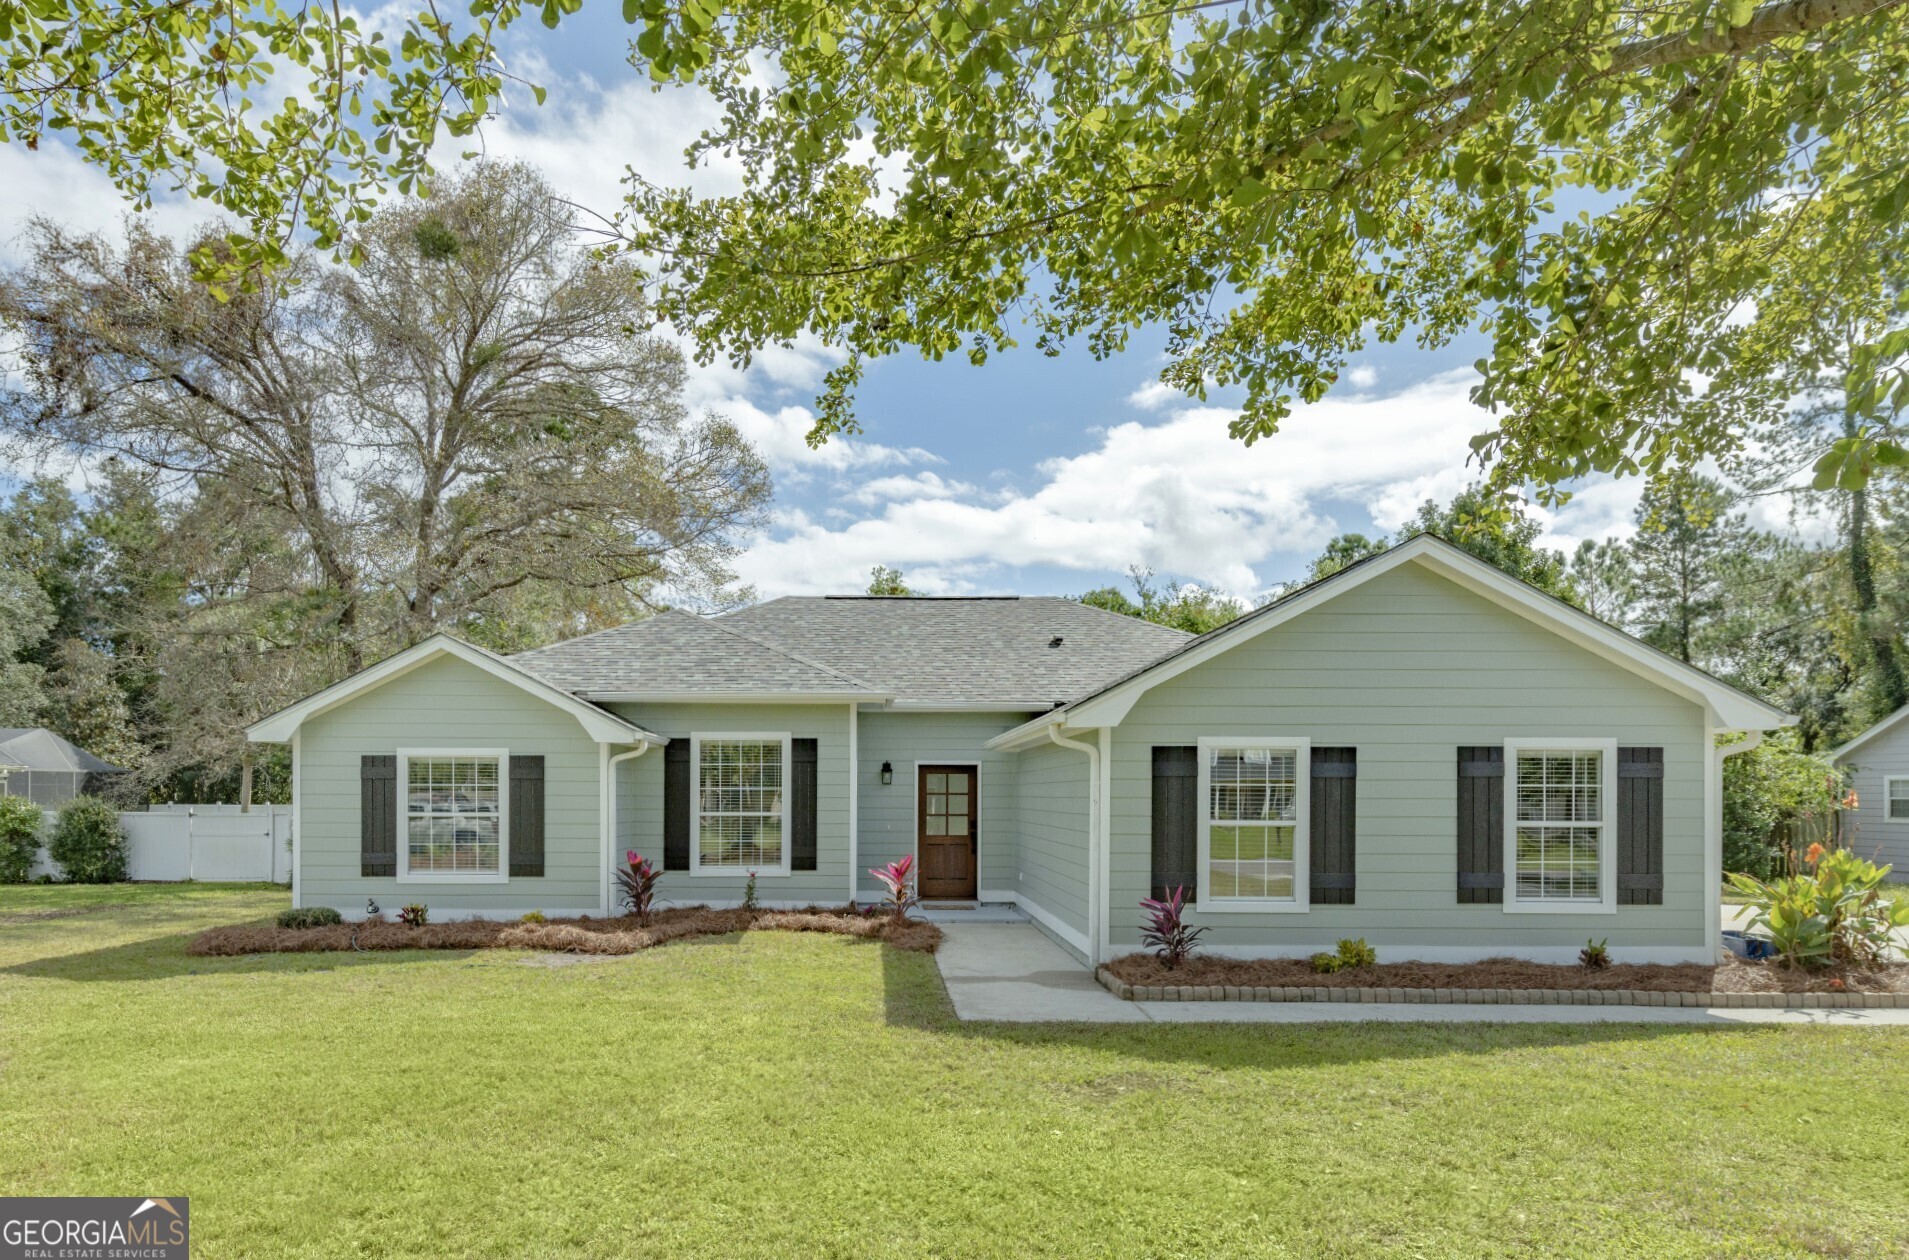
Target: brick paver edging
(1488,997)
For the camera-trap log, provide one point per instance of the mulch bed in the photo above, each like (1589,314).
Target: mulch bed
(585,935)
(1735,975)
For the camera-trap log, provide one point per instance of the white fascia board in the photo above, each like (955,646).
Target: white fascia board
(1888,723)
(1732,709)
(728,697)
(1026,734)
(968,706)
(599,725)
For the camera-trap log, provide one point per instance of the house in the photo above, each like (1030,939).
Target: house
(1418,750)
(46,769)
(1877,762)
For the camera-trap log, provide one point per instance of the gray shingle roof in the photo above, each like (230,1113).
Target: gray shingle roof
(675,653)
(946,651)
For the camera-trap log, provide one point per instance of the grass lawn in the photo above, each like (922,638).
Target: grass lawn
(809,1095)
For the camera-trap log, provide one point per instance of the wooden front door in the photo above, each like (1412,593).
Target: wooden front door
(946,812)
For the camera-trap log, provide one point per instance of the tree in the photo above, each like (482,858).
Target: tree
(463,432)
(1482,524)
(883,580)
(1272,180)
(1342,552)
(1602,579)
(1275,181)
(1190,607)
(1687,541)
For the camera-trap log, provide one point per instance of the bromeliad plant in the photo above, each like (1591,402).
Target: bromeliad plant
(898,884)
(416,914)
(1830,910)
(1166,930)
(636,885)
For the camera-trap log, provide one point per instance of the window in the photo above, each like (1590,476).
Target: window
(455,804)
(1895,794)
(740,803)
(1253,830)
(1560,850)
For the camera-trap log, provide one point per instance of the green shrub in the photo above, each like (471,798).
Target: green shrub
(535,916)
(1771,785)
(1833,910)
(1354,952)
(87,842)
(309,917)
(19,838)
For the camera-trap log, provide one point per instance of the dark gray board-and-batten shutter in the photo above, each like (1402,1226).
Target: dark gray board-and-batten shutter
(1640,826)
(1333,869)
(526,815)
(676,805)
(803,752)
(1176,820)
(377,816)
(1481,826)
(1333,783)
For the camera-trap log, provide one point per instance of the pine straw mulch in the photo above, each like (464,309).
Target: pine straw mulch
(1734,975)
(622,935)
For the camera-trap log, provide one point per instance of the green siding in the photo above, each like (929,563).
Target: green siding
(1407,668)
(887,814)
(1052,785)
(447,704)
(640,798)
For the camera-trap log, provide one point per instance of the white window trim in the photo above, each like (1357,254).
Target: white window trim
(1607,827)
(696,739)
(1889,780)
(1301,902)
(405,873)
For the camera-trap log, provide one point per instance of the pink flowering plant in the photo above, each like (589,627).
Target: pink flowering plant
(898,882)
(636,884)
(1166,930)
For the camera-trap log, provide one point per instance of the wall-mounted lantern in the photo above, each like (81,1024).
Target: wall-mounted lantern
(888,774)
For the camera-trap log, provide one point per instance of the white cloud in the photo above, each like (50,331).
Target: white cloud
(1178,495)
(1362,376)
(1155,396)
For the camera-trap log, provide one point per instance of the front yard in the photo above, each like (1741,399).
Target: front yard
(809,1095)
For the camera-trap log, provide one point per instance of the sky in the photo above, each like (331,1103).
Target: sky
(1028,475)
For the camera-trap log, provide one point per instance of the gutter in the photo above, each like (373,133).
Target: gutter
(1713,848)
(1094,910)
(609,812)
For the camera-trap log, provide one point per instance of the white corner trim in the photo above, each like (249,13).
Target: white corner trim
(298,829)
(599,725)
(1606,825)
(607,815)
(1093,835)
(854,800)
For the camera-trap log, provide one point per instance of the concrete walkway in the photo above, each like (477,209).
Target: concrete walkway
(1012,973)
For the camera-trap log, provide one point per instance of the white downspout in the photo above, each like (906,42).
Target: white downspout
(609,814)
(1713,826)
(1093,833)
(855,801)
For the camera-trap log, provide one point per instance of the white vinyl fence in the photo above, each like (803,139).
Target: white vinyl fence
(203,842)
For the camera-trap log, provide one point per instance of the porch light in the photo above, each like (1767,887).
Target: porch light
(888,774)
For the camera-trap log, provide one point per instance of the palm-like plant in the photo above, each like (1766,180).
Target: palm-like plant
(898,881)
(636,884)
(1166,930)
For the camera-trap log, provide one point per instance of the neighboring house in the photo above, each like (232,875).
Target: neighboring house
(46,769)
(1418,750)
(1878,766)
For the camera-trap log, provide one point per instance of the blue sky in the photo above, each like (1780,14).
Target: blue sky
(1028,475)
